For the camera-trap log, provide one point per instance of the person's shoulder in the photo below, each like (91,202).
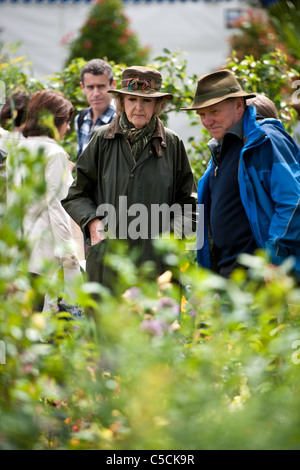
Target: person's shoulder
(275,130)
(172,136)
(49,145)
(101,130)
(272,126)
(171,132)
(82,113)
(79,118)
(3,132)
(100,134)
(280,139)
(162,129)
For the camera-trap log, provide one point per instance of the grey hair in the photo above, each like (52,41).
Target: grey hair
(265,107)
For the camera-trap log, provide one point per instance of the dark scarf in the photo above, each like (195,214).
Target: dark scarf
(138,138)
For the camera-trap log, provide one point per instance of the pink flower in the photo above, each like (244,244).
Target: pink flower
(122,40)
(132,293)
(128,33)
(154,327)
(66,38)
(167,302)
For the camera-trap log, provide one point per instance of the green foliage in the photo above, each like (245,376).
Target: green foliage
(255,36)
(265,31)
(285,18)
(212,365)
(172,66)
(107,34)
(15,70)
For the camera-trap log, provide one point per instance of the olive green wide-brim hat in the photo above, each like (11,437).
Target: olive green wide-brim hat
(141,81)
(212,88)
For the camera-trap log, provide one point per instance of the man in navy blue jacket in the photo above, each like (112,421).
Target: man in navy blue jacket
(250,192)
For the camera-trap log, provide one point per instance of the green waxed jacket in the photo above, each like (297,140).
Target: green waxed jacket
(108,178)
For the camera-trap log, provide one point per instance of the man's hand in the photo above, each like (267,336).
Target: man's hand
(96,229)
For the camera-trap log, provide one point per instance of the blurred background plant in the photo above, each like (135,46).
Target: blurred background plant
(210,365)
(285,18)
(265,31)
(255,36)
(16,70)
(270,75)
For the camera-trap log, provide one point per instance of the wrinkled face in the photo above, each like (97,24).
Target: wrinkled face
(95,87)
(220,117)
(139,110)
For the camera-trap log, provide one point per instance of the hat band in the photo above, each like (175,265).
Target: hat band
(145,85)
(216,94)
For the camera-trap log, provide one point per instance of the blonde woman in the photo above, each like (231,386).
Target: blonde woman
(132,167)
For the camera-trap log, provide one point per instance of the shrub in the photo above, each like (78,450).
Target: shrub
(206,363)
(211,366)
(285,18)
(107,34)
(256,36)
(271,75)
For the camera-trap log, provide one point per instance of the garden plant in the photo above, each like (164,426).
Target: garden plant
(207,363)
(107,28)
(213,365)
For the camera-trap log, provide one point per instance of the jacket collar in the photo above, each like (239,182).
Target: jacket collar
(254,129)
(158,138)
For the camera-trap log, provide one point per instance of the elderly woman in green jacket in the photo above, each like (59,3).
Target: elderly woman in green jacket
(134,180)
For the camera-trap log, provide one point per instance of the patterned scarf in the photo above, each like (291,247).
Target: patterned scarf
(138,138)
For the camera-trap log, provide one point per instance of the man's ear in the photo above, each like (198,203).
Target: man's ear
(82,87)
(240,105)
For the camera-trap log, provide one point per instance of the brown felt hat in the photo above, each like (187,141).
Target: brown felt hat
(141,81)
(215,87)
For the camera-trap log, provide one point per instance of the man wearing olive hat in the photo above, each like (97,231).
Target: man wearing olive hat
(250,191)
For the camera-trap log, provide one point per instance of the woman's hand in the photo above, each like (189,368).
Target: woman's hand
(96,229)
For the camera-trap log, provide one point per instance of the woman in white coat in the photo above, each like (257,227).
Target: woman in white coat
(47,226)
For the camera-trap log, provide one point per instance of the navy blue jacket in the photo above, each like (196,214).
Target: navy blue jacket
(269,182)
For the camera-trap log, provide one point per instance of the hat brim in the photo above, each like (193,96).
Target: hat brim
(212,101)
(154,94)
